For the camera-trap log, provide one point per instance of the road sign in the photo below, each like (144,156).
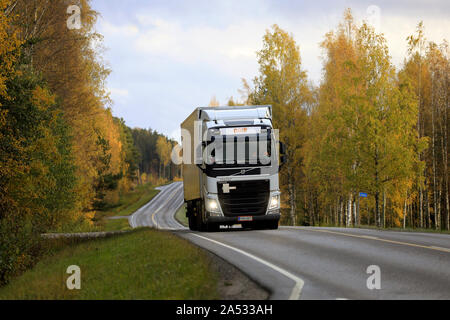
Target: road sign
(363,195)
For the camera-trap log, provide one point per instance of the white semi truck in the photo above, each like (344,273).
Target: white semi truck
(231,160)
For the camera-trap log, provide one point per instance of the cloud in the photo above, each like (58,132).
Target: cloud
(119,92)
(231,49)
(119,96)
(111,30)
(397,28)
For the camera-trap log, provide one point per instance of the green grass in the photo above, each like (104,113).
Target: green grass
(398,229)
(407,229)
(116,225)
(131,201)
(143,264)
(181,216)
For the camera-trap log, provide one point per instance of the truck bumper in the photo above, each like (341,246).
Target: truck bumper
(234,220)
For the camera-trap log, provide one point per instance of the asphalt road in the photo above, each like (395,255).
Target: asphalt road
(159,213)
(319,263)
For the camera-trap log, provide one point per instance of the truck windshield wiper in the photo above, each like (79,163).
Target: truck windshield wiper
(243,171)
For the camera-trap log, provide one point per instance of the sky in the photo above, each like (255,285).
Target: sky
(169,57)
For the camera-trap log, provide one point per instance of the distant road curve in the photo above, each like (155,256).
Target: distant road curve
(319,263)
(159,213)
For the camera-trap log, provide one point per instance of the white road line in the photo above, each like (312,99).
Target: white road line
(296,291)
(370,237)
(154,222)
(373,238)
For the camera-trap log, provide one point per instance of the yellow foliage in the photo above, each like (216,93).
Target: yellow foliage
(9,45)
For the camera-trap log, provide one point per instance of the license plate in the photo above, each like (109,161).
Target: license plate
(248,218)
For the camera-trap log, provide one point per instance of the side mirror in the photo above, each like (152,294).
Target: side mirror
(283,158)
(200,166)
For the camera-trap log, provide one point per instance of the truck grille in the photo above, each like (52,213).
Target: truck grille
(249,197)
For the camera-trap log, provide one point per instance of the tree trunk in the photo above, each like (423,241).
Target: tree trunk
(435,211)
(384,209)
(419,130)
(404,214)
(421,206)
(336,213)
(349,210)
(358,213)
(291,190)
(427,209)
(377,209)
(439,204)
(444,151)
(377,193)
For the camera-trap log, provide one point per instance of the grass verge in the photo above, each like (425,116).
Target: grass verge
(404,230)
(133,200)
(398,229)
(116,225)
(143,264)
(180,215)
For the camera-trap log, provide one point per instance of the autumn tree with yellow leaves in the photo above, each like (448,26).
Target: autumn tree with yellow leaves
(63,154)
(364,136)
(367,128)
(427,70)
(283,84)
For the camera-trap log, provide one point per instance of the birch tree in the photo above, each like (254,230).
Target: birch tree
(283,84)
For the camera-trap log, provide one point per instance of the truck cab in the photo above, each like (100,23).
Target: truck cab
(231,173)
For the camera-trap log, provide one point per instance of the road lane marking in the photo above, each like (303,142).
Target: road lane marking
(370,237)
(139,211)
(296,291)
(154,222)
(378,239)
(173,192)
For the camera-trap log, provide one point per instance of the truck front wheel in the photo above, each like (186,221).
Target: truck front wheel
(201,226)
(273,225)
(212,227)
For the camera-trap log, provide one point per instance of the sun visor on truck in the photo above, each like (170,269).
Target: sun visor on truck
(231,113)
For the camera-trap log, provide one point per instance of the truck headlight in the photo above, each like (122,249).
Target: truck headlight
(212,205)
(274,202)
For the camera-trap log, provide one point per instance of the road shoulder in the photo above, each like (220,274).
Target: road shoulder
(233,284)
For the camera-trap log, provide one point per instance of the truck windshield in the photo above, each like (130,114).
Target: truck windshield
(238,150)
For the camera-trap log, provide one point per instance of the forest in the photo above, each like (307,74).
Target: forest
(369,144)
(63,155)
